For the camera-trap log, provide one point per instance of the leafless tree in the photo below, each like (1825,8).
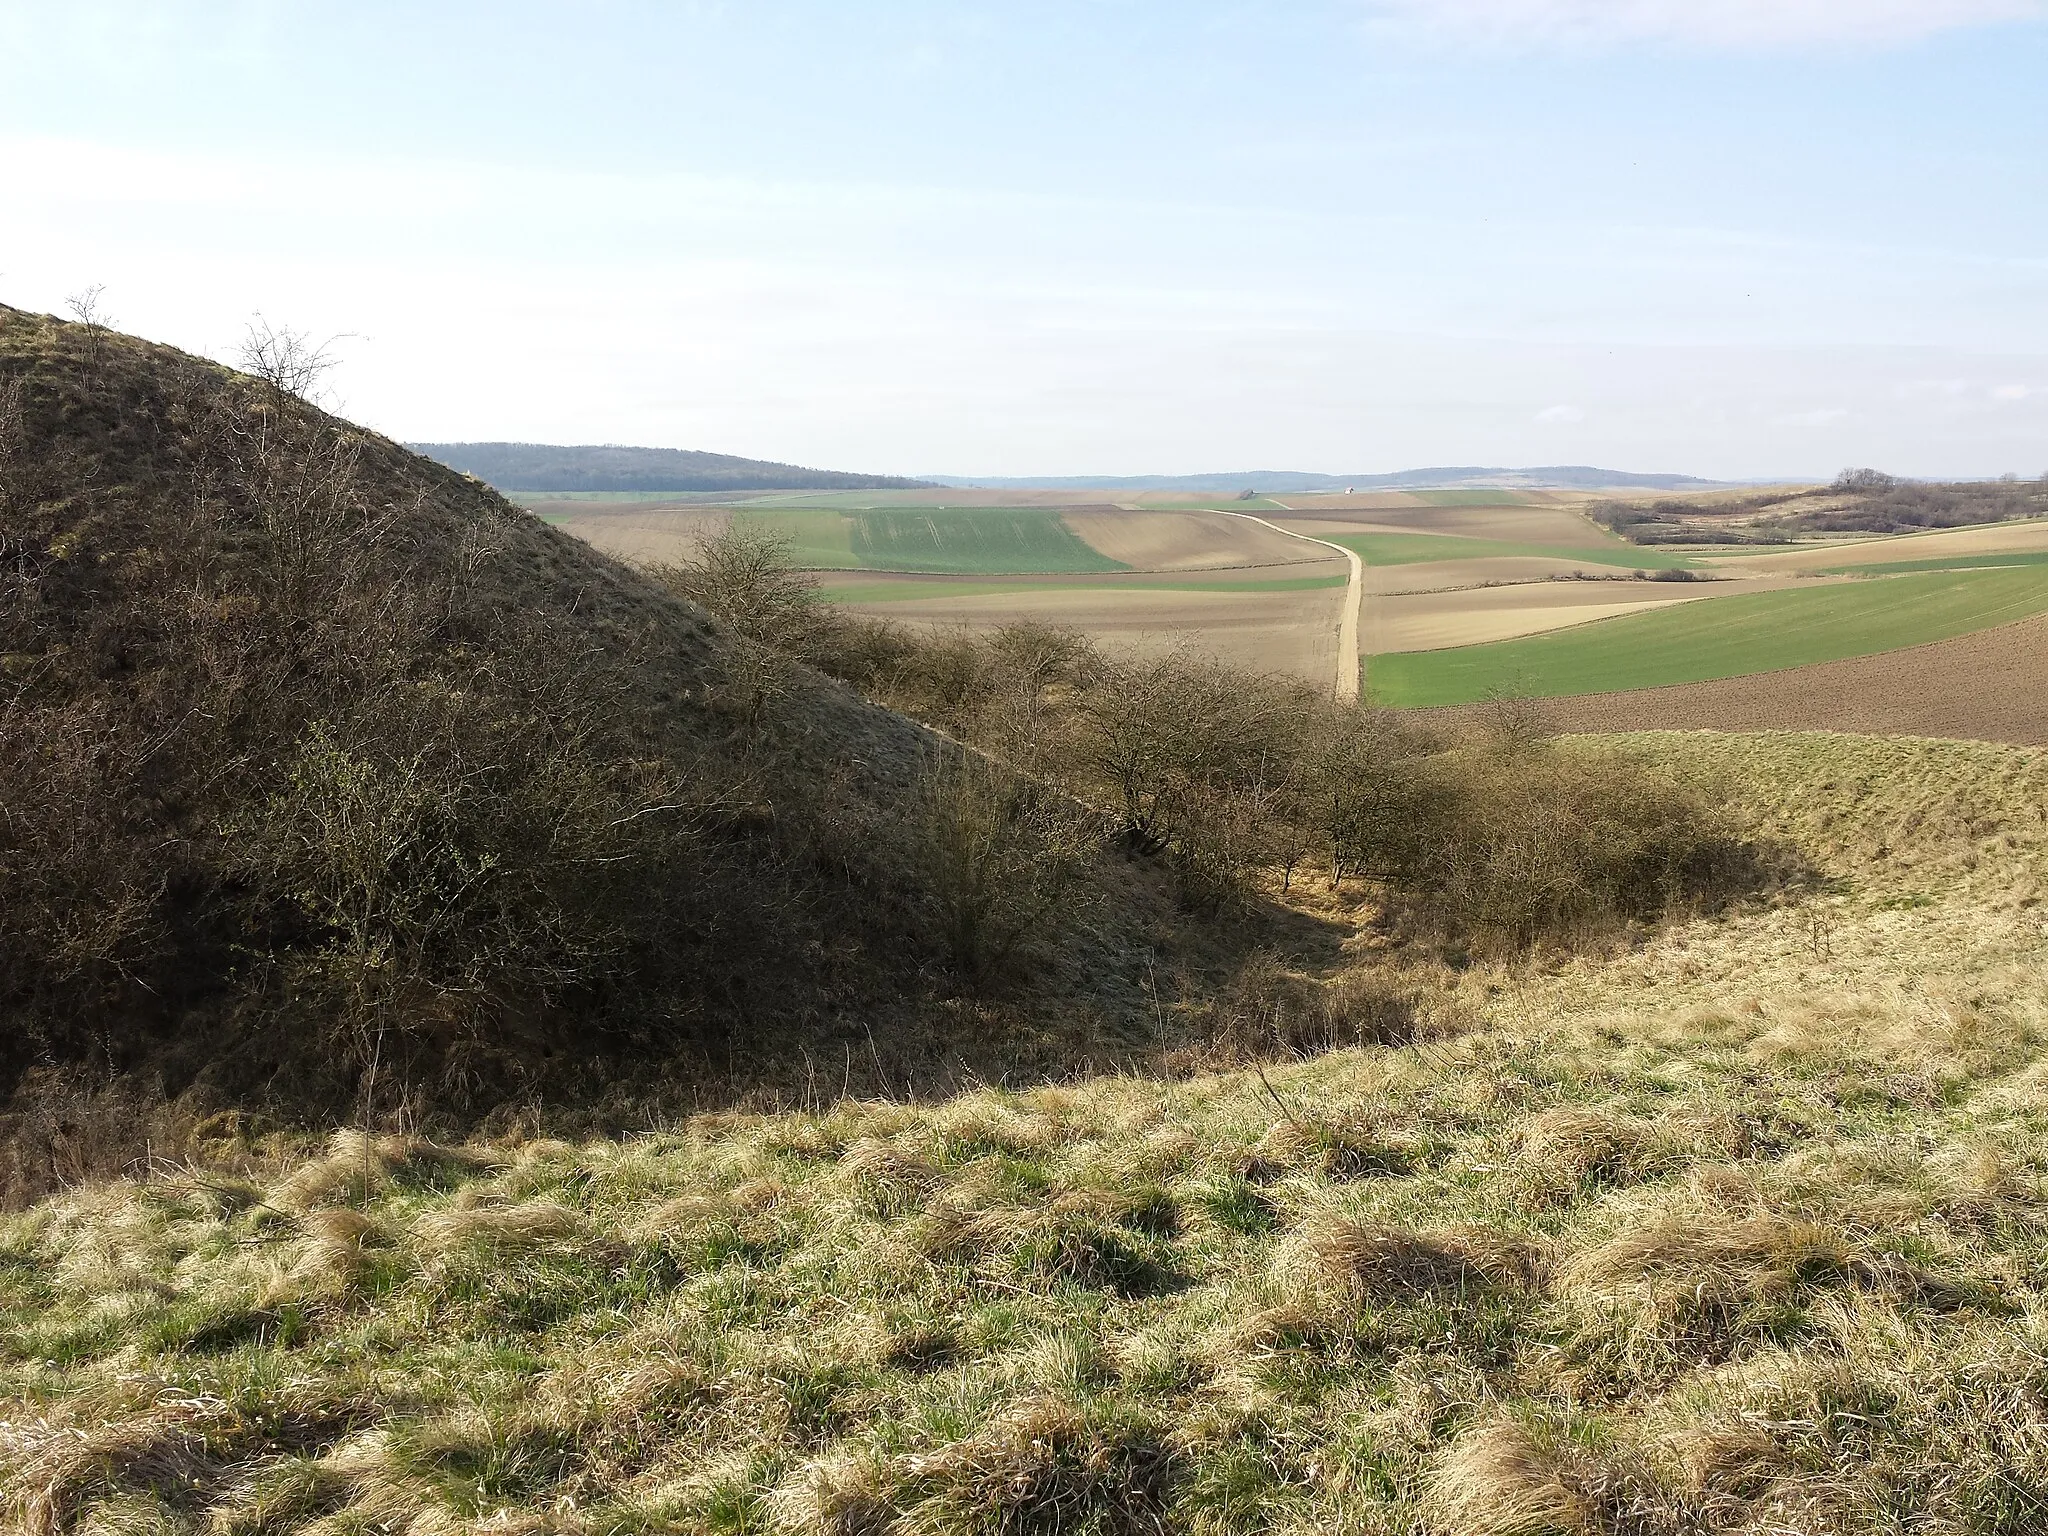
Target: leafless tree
(86,309)
(286,359)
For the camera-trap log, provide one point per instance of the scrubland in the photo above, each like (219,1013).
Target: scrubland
(1742,1228)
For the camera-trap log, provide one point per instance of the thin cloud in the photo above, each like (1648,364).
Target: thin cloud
(1717,24)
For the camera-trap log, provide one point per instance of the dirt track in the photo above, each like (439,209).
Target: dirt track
(1989,686)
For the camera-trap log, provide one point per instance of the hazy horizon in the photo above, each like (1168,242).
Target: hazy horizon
(1741,241)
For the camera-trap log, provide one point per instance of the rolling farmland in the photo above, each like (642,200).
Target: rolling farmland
(1730,637)
(1464,592)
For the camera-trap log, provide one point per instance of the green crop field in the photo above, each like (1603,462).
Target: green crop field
(1718,637)
(1949,563)
(821,541)
(1417,548)
(979,540)
(1479,498)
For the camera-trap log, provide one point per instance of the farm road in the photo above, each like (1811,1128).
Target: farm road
(1354,600)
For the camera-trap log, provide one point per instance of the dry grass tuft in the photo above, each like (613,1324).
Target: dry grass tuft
(891,1179)
(837,1496)
(353,1170)
(1575,1148)
(1714,1281)
(1043,1468)
(149,1437)
(1332,1148)
(503,1228)
(1512,1478)
(1365,1260)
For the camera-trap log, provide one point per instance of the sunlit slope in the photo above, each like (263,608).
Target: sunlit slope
(1744,1230)
(1716,638)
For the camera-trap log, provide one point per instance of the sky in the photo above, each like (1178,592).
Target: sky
(1731,238)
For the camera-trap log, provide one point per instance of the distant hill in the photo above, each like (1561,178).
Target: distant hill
(608,467)
(1568,477)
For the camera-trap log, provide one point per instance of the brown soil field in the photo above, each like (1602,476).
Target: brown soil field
(903,586)
(1443,575)
(1291,632)
(1989,686)
(2027,537)
(1518,525)
(1428,620)
(1337,503)
(651,534)
(1186,541)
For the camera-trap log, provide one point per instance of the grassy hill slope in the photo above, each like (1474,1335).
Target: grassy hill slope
(332,779)
(1745,1229)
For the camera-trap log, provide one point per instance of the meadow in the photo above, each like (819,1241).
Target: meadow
(1741,1229)
(1721,637)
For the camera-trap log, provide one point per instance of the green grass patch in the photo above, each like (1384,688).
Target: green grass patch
(1479,498)
(1951,563)
(1717,637)
(817,540)
(1418,548)
(977,540)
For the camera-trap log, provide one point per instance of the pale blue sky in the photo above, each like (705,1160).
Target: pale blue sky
(1744,238)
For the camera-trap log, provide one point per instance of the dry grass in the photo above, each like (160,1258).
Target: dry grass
(1744,1229)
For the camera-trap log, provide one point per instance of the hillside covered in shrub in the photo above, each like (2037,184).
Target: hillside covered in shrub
(331,780)
(335,787)
(1745,1230)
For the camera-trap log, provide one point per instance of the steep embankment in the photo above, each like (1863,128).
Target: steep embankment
(328,778)
(1741,1231)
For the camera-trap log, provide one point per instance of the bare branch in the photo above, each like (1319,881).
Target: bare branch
(285,359)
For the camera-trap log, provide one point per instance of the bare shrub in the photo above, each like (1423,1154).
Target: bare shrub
(747,577)
(1361,792)
(1541,844)
(1005,853)
(287,360)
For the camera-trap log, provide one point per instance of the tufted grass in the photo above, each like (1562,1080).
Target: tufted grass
(1743,1229)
